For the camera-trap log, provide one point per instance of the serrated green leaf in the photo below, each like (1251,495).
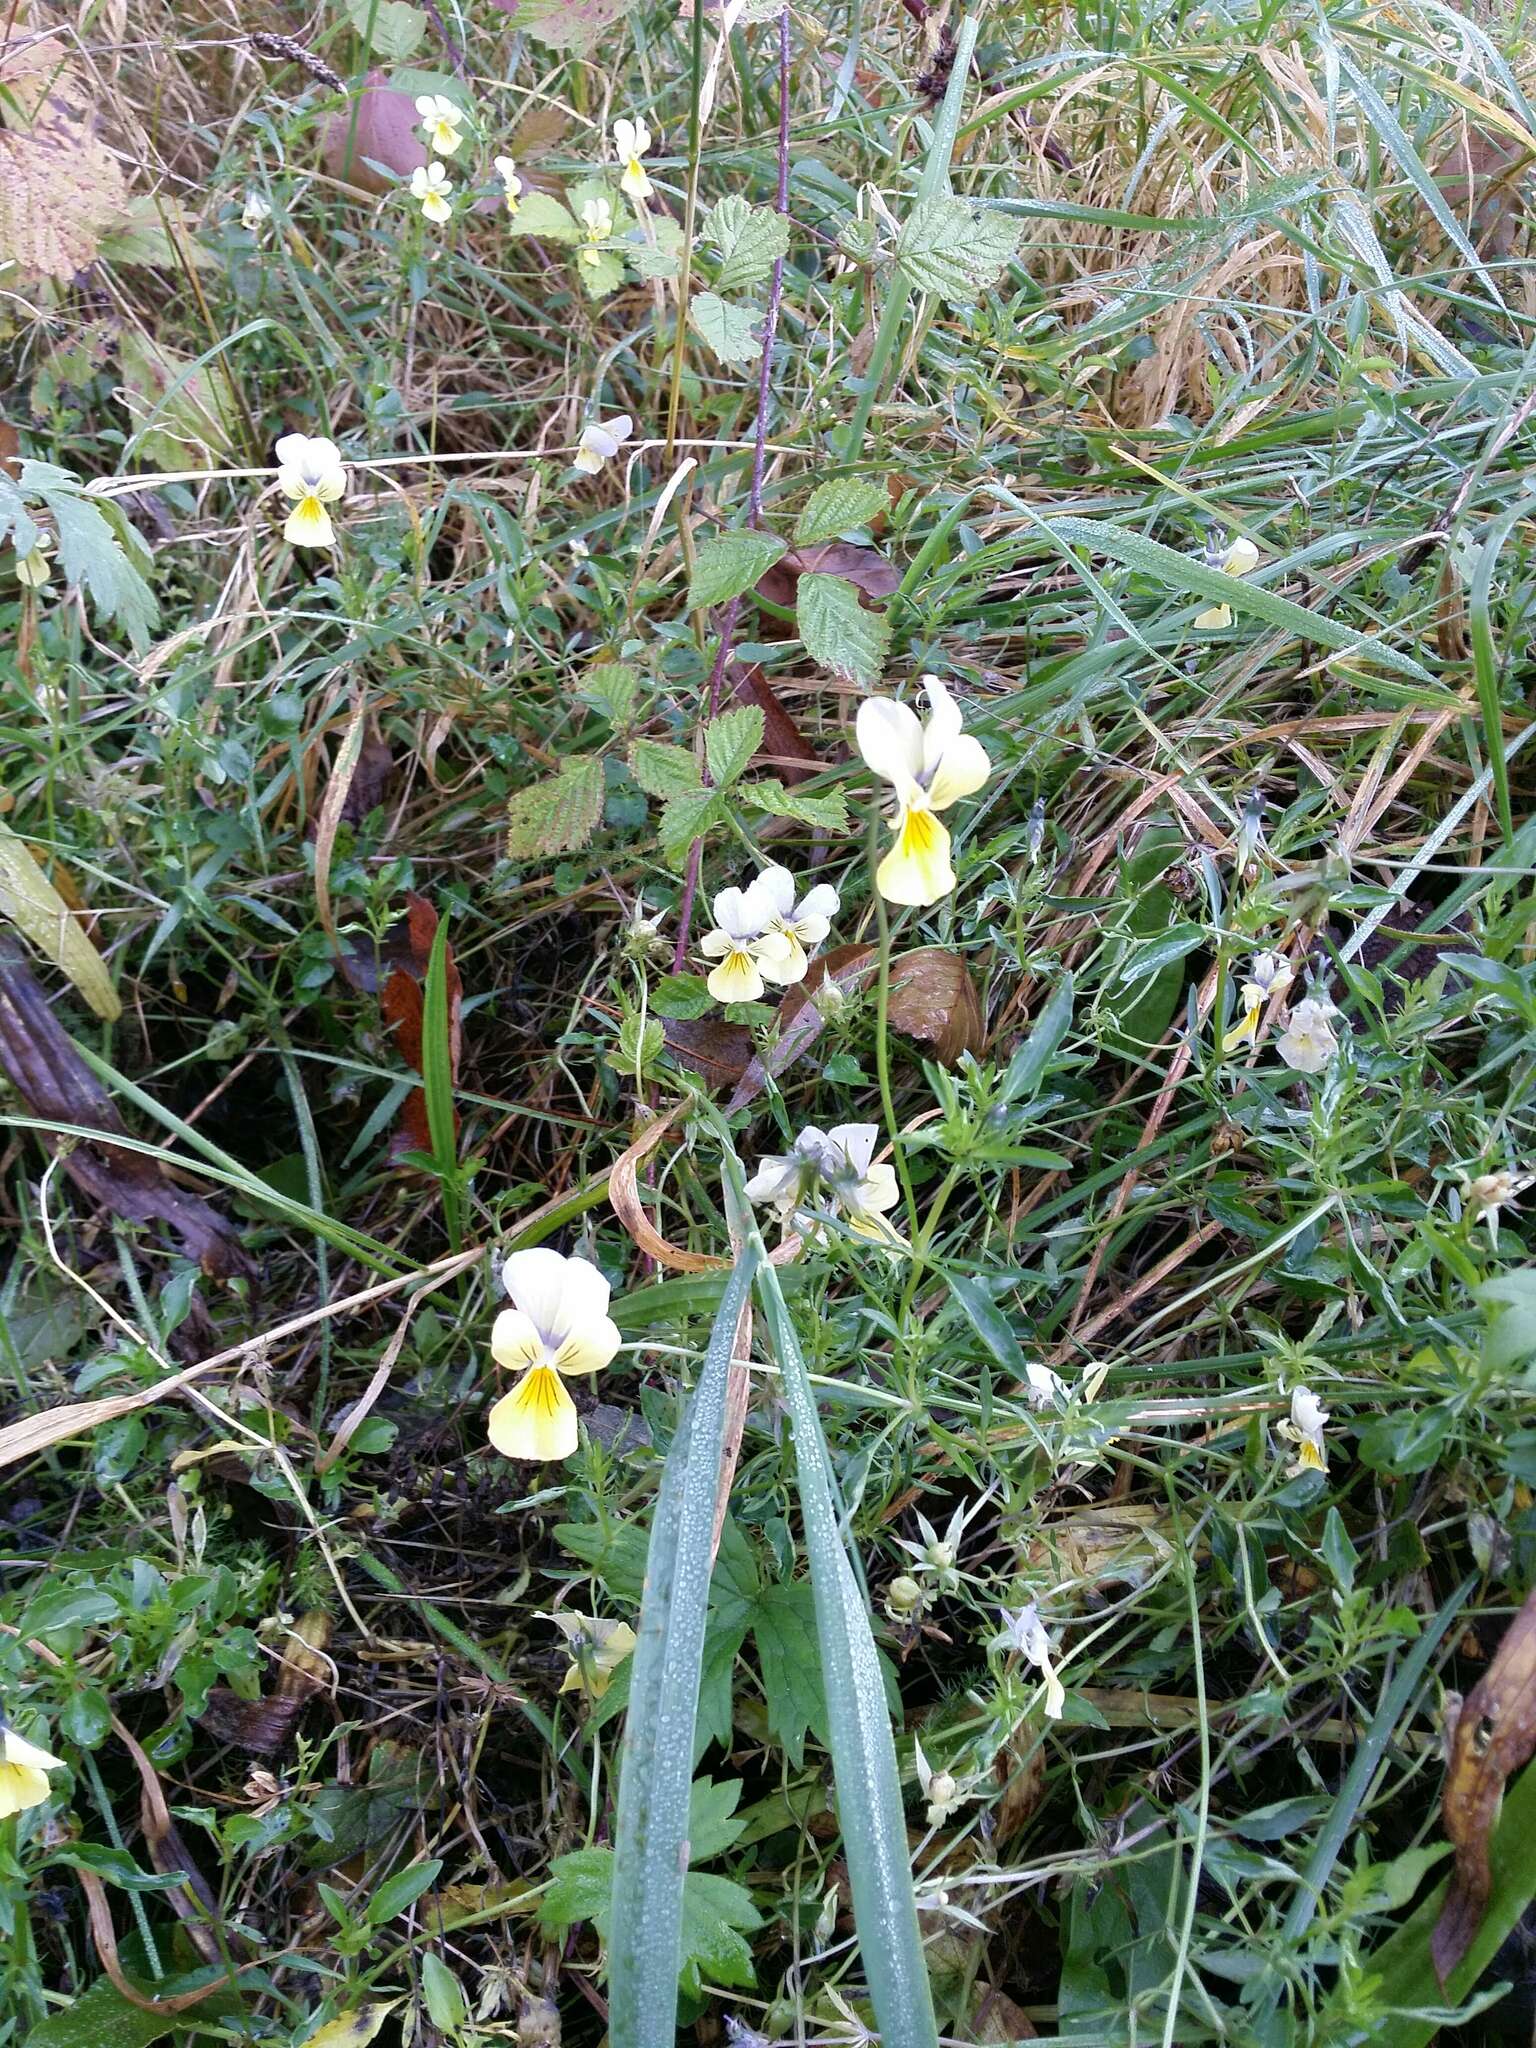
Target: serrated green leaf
(661,257)
(827,813)
(393,30)
(612,686)
(945,248)
(838,507)
(839,634)
(750,240)
(730,742)
(542,214)
(714,1909)
(784,1631)
(726,328)
(101,552)
(664,771)
(15,519)
(712,1825)
(687,818)
(559,814)
(730,564)
(601,272)
(580,1888)
(567,24)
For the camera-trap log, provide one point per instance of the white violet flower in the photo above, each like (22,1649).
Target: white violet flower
(632,139)
(930,764)
(312,475)
(511,183)
(1488,1193)
(803,921)
(431,184)
(1024,1633)
(1268,975)
(1308,1043)
(1305,1430)
(601,440)
(745,945)
(442,119)
(1240,559)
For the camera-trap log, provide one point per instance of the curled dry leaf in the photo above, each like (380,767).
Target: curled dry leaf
(264,1726)
(380,126)
(44,1068)
(934,1000)
(1495,1734)
(865,568)
(624,1194)
(403,1003)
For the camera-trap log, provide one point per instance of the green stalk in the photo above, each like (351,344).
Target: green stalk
(883,1033)
(932,182)
(690,210)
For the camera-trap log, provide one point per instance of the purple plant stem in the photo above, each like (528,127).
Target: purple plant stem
(759,464)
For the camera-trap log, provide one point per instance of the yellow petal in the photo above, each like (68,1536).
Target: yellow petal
(21,1786)
(634,183)
(1242,1033)
(15,1749)
(536,1420)
(1213,620)
(963,770)
(737,979)
(589,1347)
(1310,1455)
(353,2029)
(917,869)
(308,525)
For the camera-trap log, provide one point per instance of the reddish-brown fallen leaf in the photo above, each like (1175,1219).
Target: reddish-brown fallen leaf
(865,568)
(42,1065)
(403,1003)
(1495,1734)
(934,999)
(715,1050)
(380,124)
(264,1726)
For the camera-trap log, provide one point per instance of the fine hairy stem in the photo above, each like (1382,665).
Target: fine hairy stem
(759,464)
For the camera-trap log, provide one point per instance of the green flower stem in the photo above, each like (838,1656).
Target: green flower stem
(883,1033)
(934,178)
(690,213)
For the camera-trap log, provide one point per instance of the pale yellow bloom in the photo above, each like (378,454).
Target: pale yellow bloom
(24,1772)
(33,568)
(255,212)
(1268,976)
(745,945)
(1307,1043)
(310,473)
(601,441)
(511,183)
(802,921)
(597,1649)
(1024,1632)
(1305,1430)
(632,139)
(930,764)
(1240,559)
(441,121)
(597,219)
(830,1173)
(1488,1193)
(431,184)
(558,1325)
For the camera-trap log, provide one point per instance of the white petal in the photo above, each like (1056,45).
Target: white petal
(1242,557)
(738,912)
(944,724)
(821,901)
(774,1174)
(624,138)
(583,1298)
(290,450)
(776,886)
(620,427)
(536,1282)
(962,770)
(890,739)
(855,1143)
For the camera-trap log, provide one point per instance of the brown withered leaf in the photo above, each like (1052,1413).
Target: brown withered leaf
(865,568)
(10,450)
(381,124)
(934,1000)
(264,1726)
(42,1065)
(403,1003)
(997,2018)
(1495,1734)
(1481,179)
(61,188)
(715,1050)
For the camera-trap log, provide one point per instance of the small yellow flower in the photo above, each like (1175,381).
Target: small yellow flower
(597,219)
(801,921)
(1307,1044)
(830,1173)
(24,1772)
(33,568)
(441,120)
(1305,1430)
(601,441)
(632,139)
(1240,559)
(930,764)
(310,473)
(558,1325)
(511,183)
(745,944)
(431,184)
(1269,975)
(597,1649)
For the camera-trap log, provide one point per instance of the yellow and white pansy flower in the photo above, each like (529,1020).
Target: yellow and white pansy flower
(1269,975)
(1307,1043)
(632,139)
(1240,559)
(1024,1633)
(33,569)
(442,121)
(24,1772)
(939,1789)
(829,1173)
(597,1649)
(744,944)
(601,440)
(930,764)
(597,220)
(803,921)
(1305,1430)
(312,475)
(558,1325)
(511,183)
(431,184)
